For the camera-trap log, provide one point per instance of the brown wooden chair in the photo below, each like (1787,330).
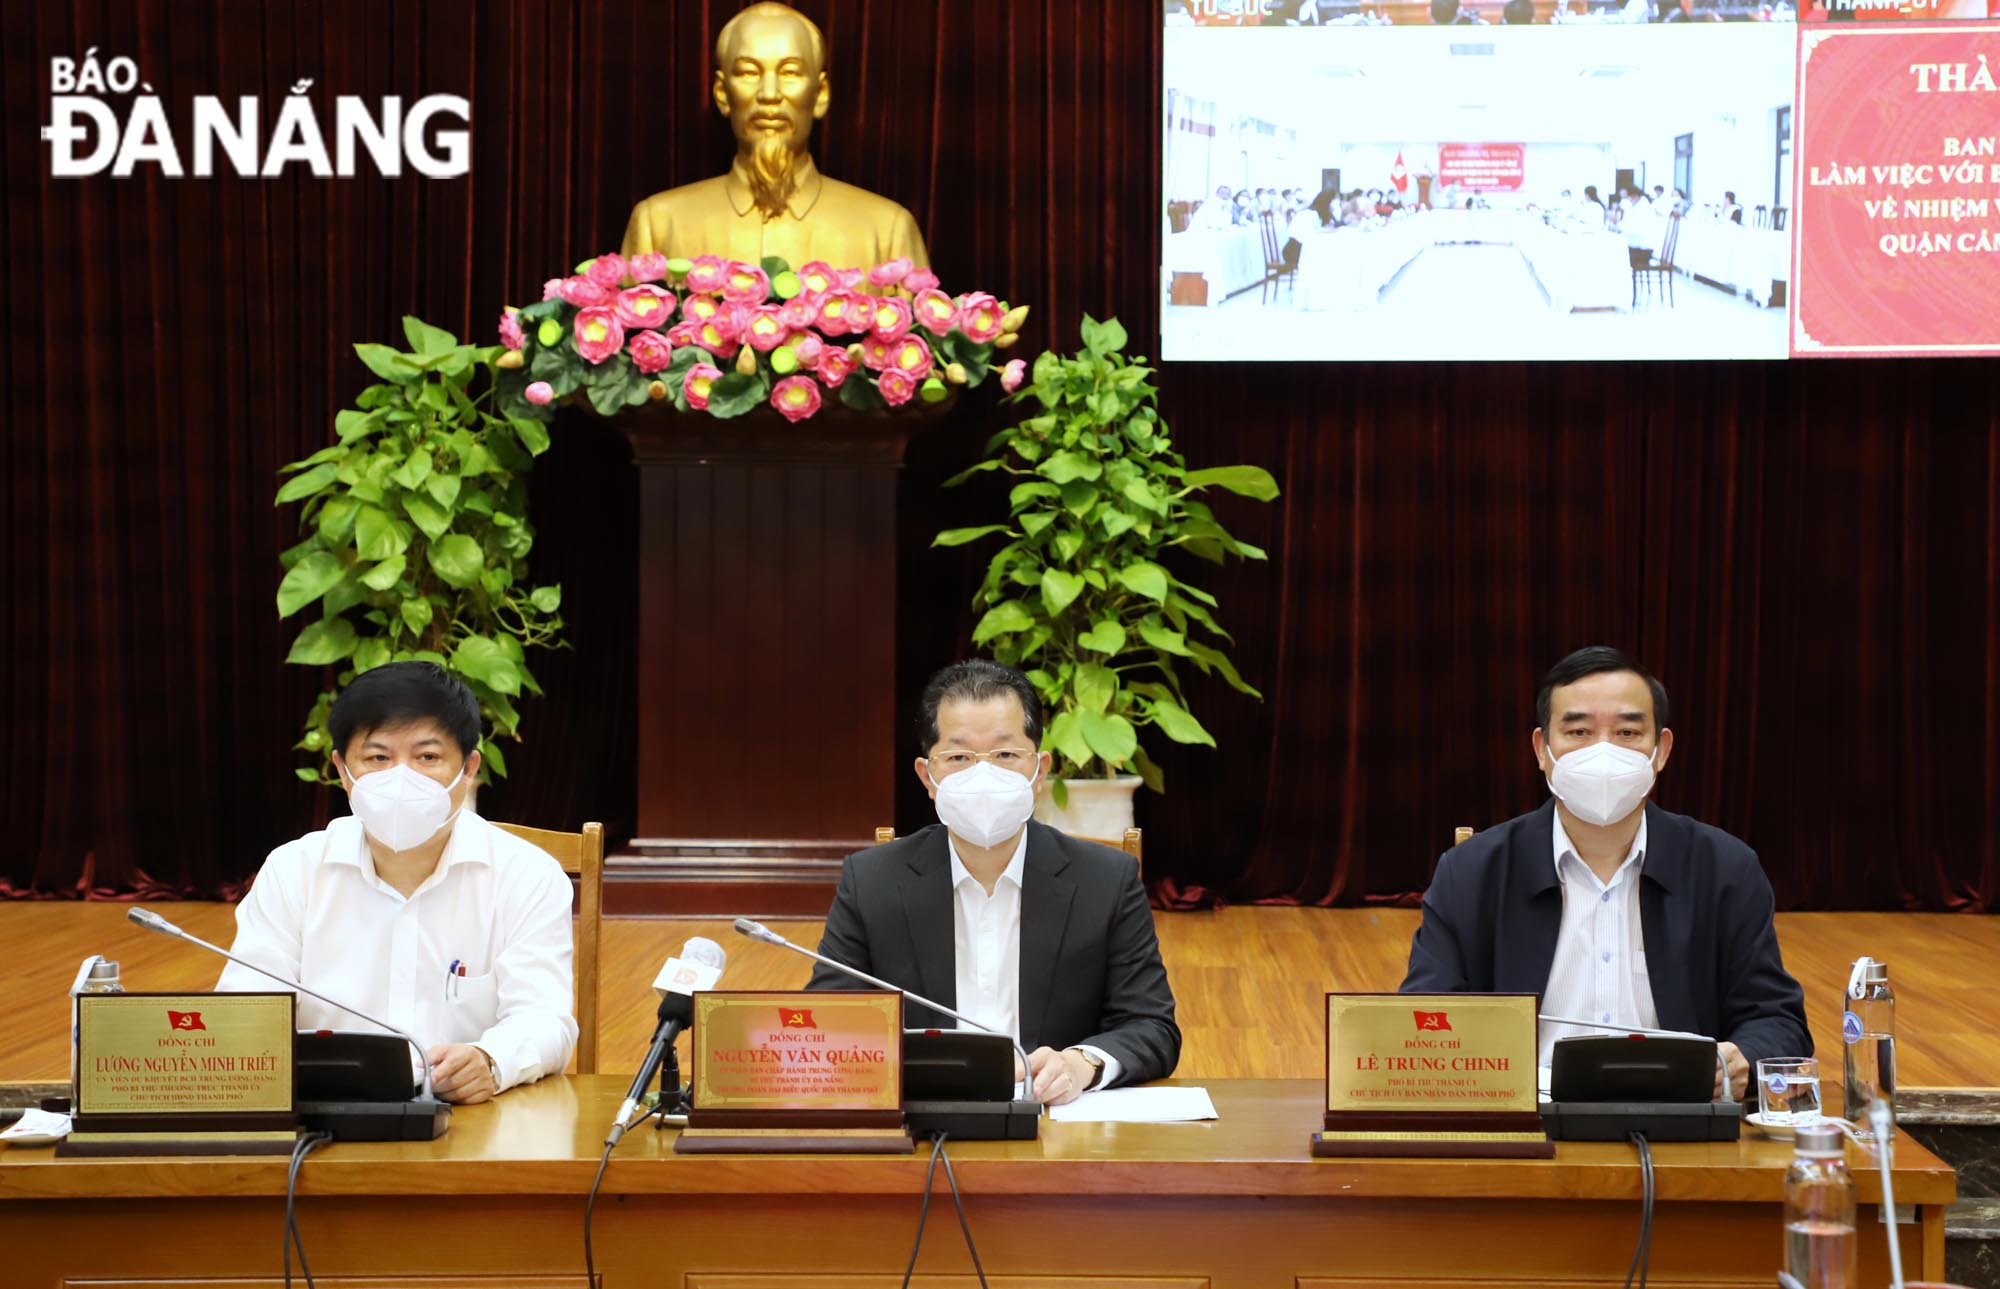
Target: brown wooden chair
(1133,843)
(581,855)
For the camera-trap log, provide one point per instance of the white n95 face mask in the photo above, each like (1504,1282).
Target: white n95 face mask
(985,804)
(1602,783)
(401,808)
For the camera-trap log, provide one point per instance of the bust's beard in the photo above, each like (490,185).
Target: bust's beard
(773,175)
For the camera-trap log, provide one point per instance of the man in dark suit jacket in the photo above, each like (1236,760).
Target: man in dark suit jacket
(1051,936)
(1603,903)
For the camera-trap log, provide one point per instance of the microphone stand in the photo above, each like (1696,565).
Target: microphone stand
(758,931)
(1721,1065)
(154,922)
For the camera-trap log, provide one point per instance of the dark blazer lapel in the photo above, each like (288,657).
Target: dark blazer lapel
(1664,925)
(927,908)
(1045,901)
(1528,950)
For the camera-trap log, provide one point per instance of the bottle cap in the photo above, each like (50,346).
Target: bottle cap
(103,969)
(1819,1141)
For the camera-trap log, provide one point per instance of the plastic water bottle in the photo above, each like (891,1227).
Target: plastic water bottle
(1868,1031)
(97,975)
(1820,1238)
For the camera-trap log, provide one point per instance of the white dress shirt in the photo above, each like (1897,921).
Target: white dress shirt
(318,913)
(1599,972)
(986,936)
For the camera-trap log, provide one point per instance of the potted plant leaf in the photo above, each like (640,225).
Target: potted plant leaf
(417,536)
(1089,595)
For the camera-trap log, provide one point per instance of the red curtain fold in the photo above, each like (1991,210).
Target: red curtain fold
(1806,552)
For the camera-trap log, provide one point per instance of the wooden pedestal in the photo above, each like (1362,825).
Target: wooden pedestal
(767,657)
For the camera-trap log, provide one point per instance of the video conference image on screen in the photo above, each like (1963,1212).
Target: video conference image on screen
(1478,192)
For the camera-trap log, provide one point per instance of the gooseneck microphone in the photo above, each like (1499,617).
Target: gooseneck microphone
(758,931)
(700,963)
(154,922)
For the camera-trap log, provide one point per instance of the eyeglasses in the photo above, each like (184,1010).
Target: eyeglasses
(1020,760)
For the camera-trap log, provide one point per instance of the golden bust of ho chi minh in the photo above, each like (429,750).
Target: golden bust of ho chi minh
(771,83)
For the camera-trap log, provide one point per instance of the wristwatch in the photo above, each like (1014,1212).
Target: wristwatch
(1096,1064)
(492,1066)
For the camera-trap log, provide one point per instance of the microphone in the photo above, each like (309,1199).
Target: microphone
(1720,1063)
(758,931)
(699,966)
(154,922)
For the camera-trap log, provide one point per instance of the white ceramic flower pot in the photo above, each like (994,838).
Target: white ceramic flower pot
(1100,809)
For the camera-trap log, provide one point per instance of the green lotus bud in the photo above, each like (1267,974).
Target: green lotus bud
(510,360)
(955,373)
(657,390)
(1013,319)
(549,334)
(678,269)
(787,285)
(746,361)
(932,390)
(1008,340)
(784,360)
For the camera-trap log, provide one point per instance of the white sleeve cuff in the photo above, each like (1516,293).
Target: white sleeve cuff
(1111,1067)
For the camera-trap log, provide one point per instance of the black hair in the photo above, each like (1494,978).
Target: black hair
(1518,13)
(974,681)
(1444,12)
(1592,660)
(401,693)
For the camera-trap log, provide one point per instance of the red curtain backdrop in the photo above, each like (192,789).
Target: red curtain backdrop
(1806,553)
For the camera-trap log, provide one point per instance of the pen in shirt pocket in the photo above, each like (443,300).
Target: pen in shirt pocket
(454,980)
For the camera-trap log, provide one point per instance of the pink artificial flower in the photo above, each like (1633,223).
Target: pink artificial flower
(796,398)
(818,277)
(584,293)
(607,271)
(851,279)
(682,332)
(896,388)
(891,317)
(808,348)
(719,336)
(1012,375)
(766,330)
(798,313)
(644,306)
(834,366)
(875,353)
(746,284)
(552,289)
(541,393)
(699,378)
(911,356)
(708,274)
(650,351)
(832,315)
(979,317)
(650,266)
(599,334)
(511,334)
(936,312)
(890,272)
(917,281)
(700,308)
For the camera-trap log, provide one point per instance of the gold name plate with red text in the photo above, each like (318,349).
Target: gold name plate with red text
(790,1072)
(1432,1074)
(183,1074)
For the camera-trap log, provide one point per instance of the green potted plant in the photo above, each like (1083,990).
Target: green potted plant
(1087,596)
(417,537)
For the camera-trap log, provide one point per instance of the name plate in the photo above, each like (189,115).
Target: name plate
(797,1071)
(1435,1074)
(174,1073)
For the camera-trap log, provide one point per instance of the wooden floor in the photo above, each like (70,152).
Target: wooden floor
(1248,980)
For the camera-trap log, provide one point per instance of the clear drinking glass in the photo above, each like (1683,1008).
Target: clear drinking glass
(1788,1090)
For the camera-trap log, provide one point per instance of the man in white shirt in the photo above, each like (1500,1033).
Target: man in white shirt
(1027,930)
(414,909)
(1615,911)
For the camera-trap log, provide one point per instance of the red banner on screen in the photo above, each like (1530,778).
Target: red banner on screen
(1896,231)
(1489,167)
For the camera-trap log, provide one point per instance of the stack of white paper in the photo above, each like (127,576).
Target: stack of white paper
(1137,1105)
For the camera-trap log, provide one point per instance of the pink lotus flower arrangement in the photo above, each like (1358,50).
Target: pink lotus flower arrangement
(723,337)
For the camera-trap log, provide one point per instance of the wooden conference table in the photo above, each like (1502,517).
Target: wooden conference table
(1238,1202)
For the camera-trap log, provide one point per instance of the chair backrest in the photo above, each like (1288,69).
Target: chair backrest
(581,855)
(1267,227)
(1673,236)
(1132,843)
